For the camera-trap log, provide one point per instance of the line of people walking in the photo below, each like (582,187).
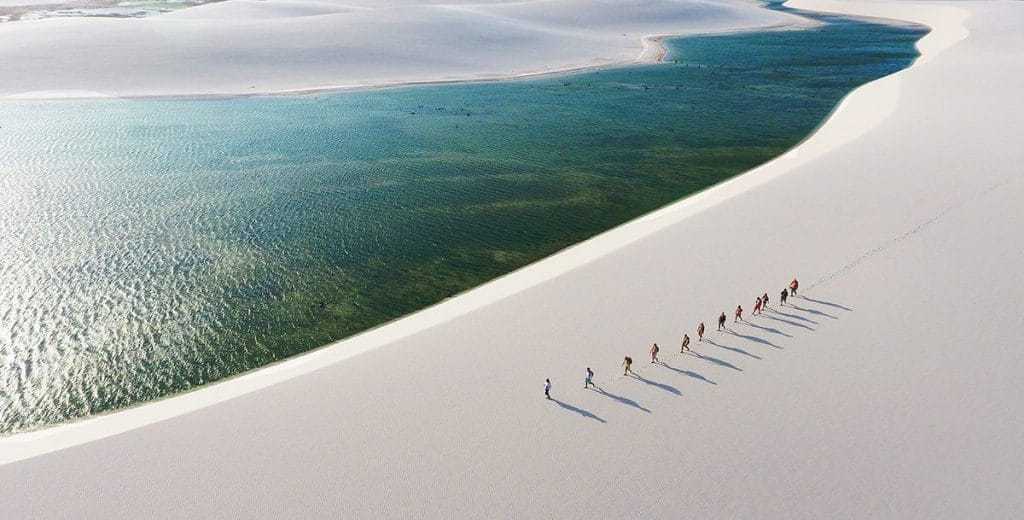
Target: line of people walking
(760,305)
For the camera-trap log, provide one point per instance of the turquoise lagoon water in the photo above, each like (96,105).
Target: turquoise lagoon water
(150,246)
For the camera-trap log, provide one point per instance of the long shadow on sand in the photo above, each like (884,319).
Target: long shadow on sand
(830,304)
(719,362)
(816,313)
(624,400)
(795,317)
(687,373)
(734,349)
(756,339)
(787,322)
(581,411)
(769,329)
(668,388)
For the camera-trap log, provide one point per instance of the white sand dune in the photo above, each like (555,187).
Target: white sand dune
(26,3)
(238,10)
(261,46)
(891,390)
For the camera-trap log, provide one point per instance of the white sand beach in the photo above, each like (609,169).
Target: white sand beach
(891,389)
(241,47)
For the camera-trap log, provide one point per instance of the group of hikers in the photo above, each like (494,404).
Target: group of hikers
(760,304)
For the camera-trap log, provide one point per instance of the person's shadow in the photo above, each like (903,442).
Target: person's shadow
(795,316)
(793,323)
(816,313)
(716,361)
(830,304)
(581,411)
(769,329)
(687,373)
(756,339)
(734,349)
(668,388)
(624,400)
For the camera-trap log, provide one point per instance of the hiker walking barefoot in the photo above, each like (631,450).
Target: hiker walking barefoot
(686,344)
(793,287)
(589,381)
(654,353)
(738,315)
(700,331)
(721,321)
(628,363)
(782,297)
(547,388)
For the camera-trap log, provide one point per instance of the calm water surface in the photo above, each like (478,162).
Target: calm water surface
(150,246)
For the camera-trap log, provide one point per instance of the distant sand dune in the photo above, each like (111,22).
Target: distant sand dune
(262,46)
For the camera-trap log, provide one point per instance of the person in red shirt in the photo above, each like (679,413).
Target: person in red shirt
(739,314)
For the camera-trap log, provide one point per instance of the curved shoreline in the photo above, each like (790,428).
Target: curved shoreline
(652,51)
(859,111)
